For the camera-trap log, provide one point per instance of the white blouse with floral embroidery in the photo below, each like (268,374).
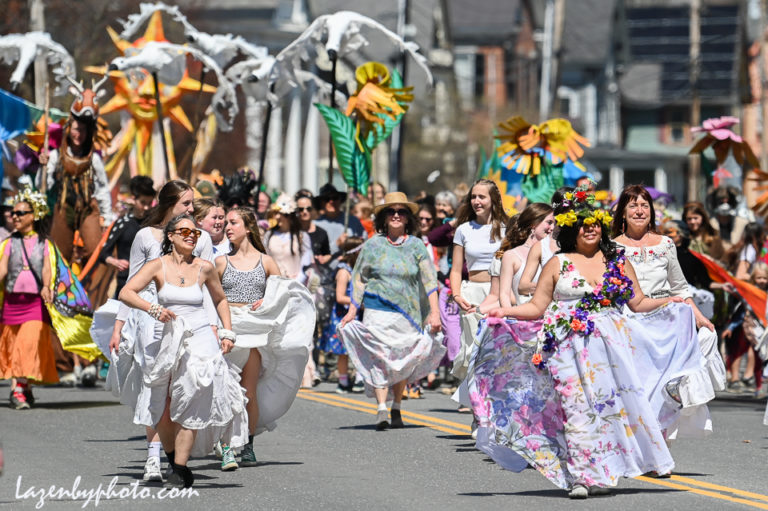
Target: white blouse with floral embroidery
(658,270)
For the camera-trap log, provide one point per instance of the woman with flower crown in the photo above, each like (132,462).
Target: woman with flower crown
(598,425)
(678,396)
(26,354)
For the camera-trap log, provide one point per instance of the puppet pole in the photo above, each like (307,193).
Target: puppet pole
(159,109)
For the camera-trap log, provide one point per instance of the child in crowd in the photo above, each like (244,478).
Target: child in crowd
(746,340)
(329,340)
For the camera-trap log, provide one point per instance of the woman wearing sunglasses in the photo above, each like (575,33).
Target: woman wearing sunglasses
(193,396)
(26,353)
(391,276)
(117,328)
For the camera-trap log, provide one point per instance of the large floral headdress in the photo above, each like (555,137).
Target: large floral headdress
(35,199)
(580,203)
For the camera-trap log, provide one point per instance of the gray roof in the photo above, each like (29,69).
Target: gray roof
(588,31)
(484,22)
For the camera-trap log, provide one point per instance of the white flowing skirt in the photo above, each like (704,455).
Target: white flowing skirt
(125,368)
(281,329)
(187,365)
(386,349)
(474,293)
(666,349)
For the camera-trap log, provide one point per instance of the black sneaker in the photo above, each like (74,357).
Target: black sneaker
(343,389)
(397,419)
(181,477)
(358,387)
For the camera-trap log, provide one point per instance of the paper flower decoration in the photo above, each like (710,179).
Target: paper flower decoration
(718,135)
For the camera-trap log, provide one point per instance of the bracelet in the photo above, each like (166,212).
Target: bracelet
(229,335)
(155,310)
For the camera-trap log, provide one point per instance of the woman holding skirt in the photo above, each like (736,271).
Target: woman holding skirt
(595,424)
(273,318)
(393,278)
(191,396)
(654,258)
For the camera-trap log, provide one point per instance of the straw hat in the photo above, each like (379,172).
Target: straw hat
(393,198)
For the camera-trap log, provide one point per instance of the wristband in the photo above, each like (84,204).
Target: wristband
(155,310)
(229,335)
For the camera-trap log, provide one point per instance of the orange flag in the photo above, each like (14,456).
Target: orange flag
(753,295)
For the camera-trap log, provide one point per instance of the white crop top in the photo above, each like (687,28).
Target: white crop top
(479,250)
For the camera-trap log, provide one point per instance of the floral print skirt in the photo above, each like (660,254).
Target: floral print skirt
(584,419)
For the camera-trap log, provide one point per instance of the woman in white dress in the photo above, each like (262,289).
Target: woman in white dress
(193,398)
(524,230)
(659,275)
(273,318)
(482,225)
(541,252)
(120,330)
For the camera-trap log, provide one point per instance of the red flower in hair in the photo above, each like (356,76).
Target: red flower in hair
(580,196)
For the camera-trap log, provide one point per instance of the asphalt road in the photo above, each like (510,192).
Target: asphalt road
(326,454)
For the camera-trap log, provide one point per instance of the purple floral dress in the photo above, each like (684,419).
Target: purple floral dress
(571,405)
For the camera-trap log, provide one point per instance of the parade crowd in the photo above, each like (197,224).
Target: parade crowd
(584,335)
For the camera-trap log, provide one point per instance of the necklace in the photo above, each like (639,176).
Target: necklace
(399,241)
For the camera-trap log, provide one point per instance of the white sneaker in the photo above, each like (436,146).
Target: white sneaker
(152,469)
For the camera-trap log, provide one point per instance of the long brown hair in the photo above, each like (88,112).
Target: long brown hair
(628,194)
(169,195)
(706,231)
(520,226)
(251,226)
(498,217)
(754,236)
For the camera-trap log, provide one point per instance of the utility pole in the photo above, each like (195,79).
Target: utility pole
(763,89)
(37,22)
(398,136)
(546,61)
(694,161)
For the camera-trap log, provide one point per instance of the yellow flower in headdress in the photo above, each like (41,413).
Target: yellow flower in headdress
(590,220)
(35,199)
(566,219)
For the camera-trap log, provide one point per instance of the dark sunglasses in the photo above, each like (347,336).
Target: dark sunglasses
(308,208)
(399,212)
(425,219)
(186,231)
(17,214)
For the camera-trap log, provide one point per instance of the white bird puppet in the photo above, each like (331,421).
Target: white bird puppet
(221,48)
(24,48)
(342,32)
(156,57)
(266,79)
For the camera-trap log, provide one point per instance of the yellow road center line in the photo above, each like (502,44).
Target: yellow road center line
(315,397)
(370,408)
(743,493)
(405,413)
(659,482)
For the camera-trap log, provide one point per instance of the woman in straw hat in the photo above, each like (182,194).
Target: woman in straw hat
(394,278)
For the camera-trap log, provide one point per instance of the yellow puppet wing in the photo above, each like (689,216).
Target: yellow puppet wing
(73,333)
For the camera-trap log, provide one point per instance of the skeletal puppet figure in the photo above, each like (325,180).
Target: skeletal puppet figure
(343,33)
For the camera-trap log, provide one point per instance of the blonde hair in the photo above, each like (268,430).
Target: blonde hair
(758,267)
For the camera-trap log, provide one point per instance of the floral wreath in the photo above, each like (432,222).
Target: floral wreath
(581,204)
(35,199)
(615,291)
